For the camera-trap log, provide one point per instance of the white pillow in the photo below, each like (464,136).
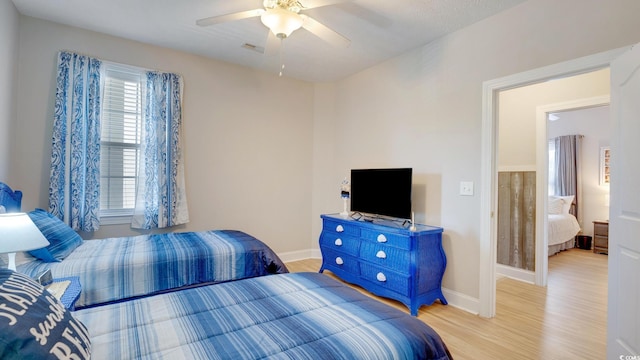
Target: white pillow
(555,205)
(568,200)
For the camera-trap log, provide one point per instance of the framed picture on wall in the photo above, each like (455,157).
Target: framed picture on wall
(605,160)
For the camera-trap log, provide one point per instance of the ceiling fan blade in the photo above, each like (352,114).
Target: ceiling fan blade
(310,4)
(324,32)
(272,45)
(229,17)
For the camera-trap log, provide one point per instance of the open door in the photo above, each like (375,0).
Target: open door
(623,328)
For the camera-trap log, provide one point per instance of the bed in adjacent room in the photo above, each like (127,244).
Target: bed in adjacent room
(562,225)
(286,316)
(115,269)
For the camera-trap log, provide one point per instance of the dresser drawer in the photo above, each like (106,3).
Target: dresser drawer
(600,241)
(390,239)
(337,242)
(338,260)
(341,228)
(601,229)
(388,256)
(386,278)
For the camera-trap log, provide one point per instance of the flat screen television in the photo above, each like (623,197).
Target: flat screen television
(385,192)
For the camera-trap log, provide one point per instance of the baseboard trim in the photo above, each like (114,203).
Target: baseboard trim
(515,273)
(462,301)
(300,255)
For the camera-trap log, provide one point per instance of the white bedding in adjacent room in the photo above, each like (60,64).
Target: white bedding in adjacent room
(562,227)
(562,230)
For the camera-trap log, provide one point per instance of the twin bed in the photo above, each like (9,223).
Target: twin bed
(236,300)
(121,268)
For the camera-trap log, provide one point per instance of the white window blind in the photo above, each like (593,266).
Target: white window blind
(121,123)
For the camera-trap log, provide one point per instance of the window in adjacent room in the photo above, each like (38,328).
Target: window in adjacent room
(552,168)
(121,123)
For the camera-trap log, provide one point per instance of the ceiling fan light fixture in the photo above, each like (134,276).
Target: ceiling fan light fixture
(281,22)
(270,4)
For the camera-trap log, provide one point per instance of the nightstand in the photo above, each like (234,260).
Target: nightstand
(601,237)
(71,293)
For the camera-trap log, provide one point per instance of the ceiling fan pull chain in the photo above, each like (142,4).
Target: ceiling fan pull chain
(281,57)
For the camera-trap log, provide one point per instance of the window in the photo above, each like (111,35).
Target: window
(121,123)
(552,168)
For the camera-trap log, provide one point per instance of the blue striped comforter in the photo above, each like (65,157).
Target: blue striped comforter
(120,268)
(289,316)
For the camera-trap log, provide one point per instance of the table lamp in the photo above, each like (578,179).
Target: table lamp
(19,233)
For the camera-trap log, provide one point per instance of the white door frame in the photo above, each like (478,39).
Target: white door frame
(542,176)
(489,160)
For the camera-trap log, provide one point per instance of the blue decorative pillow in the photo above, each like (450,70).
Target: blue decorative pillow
(35,325)
(62,239)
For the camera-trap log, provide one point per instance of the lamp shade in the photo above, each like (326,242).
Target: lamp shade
(19,233)
(281,22)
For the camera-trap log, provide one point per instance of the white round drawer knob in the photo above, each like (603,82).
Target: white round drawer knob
(339,261)
(381,255)
(381,277)
(339,228)
(382,238)
(338,242)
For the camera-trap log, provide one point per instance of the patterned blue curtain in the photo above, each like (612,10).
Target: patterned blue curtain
(161,197)
(74,183)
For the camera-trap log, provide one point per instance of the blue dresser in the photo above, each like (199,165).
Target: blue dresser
(386,259)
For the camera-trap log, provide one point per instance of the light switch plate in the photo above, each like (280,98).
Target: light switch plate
(466,188)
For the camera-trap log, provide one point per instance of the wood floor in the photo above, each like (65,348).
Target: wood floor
(566,320)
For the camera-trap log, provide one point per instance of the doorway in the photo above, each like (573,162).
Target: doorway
(589,118)
(522,145)
(489,157)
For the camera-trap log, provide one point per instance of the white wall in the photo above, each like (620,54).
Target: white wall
(517,114)
(424,109)
(593,123)
(8,73)
(248,134)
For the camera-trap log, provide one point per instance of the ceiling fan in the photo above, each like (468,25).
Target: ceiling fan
(283,17)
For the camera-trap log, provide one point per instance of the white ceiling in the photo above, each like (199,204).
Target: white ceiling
(378,29)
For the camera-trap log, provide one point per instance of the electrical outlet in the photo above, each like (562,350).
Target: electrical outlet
(466,188)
